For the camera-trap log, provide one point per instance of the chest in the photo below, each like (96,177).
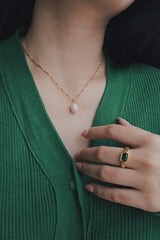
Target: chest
(69,126)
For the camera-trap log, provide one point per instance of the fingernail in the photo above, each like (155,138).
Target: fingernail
(90,188)
(78,165)
(123,120)
(77,156)
(85,133)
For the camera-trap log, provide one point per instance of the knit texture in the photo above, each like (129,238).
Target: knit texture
(42,196)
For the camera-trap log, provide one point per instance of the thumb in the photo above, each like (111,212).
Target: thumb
(123,122)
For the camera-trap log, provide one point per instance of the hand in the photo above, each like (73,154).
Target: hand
(142,174)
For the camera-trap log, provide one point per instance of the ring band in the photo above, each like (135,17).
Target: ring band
(124,157)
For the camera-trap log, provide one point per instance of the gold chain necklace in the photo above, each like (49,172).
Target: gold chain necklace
(73,107)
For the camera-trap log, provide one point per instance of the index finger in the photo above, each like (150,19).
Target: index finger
(128,135)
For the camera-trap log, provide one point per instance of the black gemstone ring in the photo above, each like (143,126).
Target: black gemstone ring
(124,157)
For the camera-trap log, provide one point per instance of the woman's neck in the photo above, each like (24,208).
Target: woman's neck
(67,37)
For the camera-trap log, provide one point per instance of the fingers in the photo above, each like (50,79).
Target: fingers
(127,135)
(108,155)
(115,175)
(122,121)
(129,197)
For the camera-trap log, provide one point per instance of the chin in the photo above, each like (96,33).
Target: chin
(114,7)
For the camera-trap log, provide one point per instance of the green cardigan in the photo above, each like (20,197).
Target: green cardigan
(42,195)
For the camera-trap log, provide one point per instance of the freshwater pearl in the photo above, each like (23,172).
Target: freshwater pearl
(74,108)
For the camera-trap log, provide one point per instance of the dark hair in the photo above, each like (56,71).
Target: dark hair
(131,37)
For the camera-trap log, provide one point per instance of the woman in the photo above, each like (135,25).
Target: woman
(76,65)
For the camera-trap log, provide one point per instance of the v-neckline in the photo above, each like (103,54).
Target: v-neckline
(53,128)
(37,127)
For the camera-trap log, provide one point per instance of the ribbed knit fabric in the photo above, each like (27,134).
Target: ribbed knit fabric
(42,196)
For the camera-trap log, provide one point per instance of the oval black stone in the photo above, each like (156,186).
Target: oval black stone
(124,157)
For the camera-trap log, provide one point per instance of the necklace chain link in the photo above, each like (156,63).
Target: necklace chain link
(60,88)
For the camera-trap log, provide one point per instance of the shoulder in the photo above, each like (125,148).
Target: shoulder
(8,49)
(144,90)
(138,73)
(145,75)
(10,56)
(4,44)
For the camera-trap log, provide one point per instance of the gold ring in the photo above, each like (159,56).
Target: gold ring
(124,157)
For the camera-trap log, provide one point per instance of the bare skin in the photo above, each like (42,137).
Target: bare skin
(66,38)
(143,165)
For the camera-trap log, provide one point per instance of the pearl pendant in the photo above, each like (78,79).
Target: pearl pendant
(74,108)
